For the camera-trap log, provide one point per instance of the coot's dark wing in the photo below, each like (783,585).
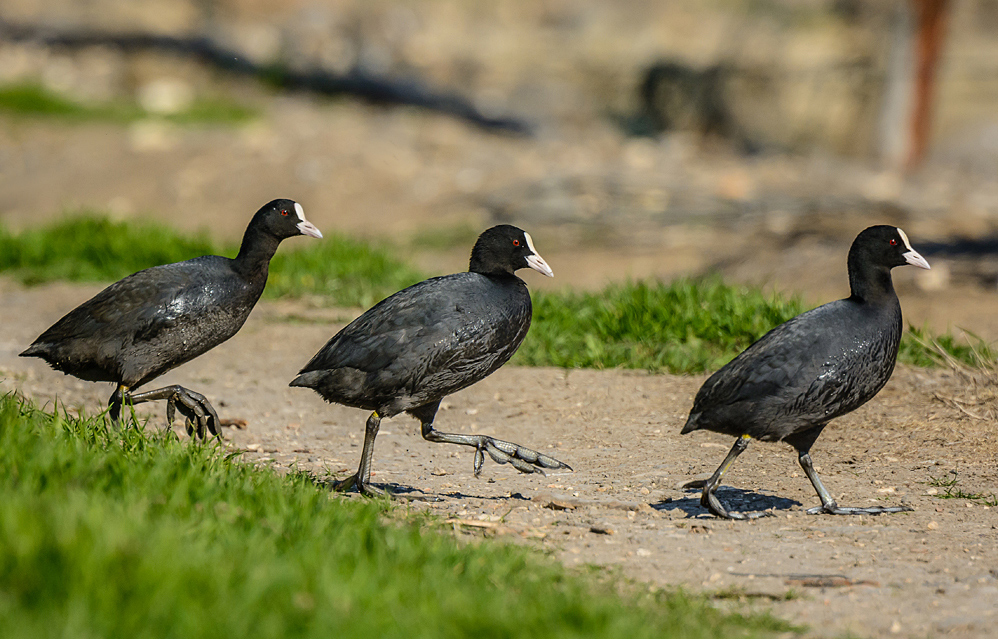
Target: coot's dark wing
(117,335)
(439,335)
(140,305)
(793,373)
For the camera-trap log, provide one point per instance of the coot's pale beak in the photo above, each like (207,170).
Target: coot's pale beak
(535,261)
(912,257)
(915,259)
(306,227)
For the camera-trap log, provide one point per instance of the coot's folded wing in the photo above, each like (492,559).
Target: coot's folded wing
(137,305)
(418,323)
(783,364)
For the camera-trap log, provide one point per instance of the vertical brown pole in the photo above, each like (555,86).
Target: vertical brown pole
(931,18)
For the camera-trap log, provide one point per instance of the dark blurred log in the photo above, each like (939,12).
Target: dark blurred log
(373,89)
(675,96)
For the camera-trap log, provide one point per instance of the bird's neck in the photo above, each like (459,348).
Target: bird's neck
(871,283)
(500,277)
(255,253)
(482,267)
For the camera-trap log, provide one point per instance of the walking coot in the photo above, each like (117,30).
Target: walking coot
(154,320)
(819,365)
(430,340)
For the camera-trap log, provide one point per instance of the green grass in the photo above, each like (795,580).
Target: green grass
(952,491)
(106,534)
(33,100)
(685,326)
(920,347)
(682,327)
(345,272)
(90,248)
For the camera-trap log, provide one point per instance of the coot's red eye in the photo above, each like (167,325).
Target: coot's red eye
(894,242)
(285,214)
(516,242)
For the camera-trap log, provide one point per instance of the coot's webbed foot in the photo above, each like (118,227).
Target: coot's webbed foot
(523,459)
(828,505)
(710,501)
(200,415)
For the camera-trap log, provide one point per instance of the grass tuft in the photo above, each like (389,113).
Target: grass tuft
(952,491)
(345,272)
(684,326)
(87,247)
(33,100)
(134,533)
(921,348)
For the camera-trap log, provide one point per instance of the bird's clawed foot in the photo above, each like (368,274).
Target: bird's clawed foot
(694,484)
(832,508)
(523,459)
(710,501)
(199,414)
(363,487)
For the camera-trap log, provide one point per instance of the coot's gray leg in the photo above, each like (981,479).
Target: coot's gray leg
(710,501)
(115,401)
(195,407)
(523,459)
(362,479)
(828,504)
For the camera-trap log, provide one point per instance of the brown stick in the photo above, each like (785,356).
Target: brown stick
(931,17)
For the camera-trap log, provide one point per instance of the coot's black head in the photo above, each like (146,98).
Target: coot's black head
(504,249)
(884,246)
(873,254)
(283,219)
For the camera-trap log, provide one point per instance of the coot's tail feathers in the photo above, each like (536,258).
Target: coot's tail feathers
(38,349)
(309,379)
(692,424)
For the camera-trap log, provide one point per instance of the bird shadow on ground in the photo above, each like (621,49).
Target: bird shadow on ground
(408,493)
(459,495)
(734,499)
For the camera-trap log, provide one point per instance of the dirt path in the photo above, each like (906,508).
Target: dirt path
(930,572)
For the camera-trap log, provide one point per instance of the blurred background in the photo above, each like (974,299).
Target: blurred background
(633,139)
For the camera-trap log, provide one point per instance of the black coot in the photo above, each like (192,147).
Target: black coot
(430,340)
(821,364)
(154,320)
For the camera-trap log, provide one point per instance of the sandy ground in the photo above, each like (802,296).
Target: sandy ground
(930,572)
